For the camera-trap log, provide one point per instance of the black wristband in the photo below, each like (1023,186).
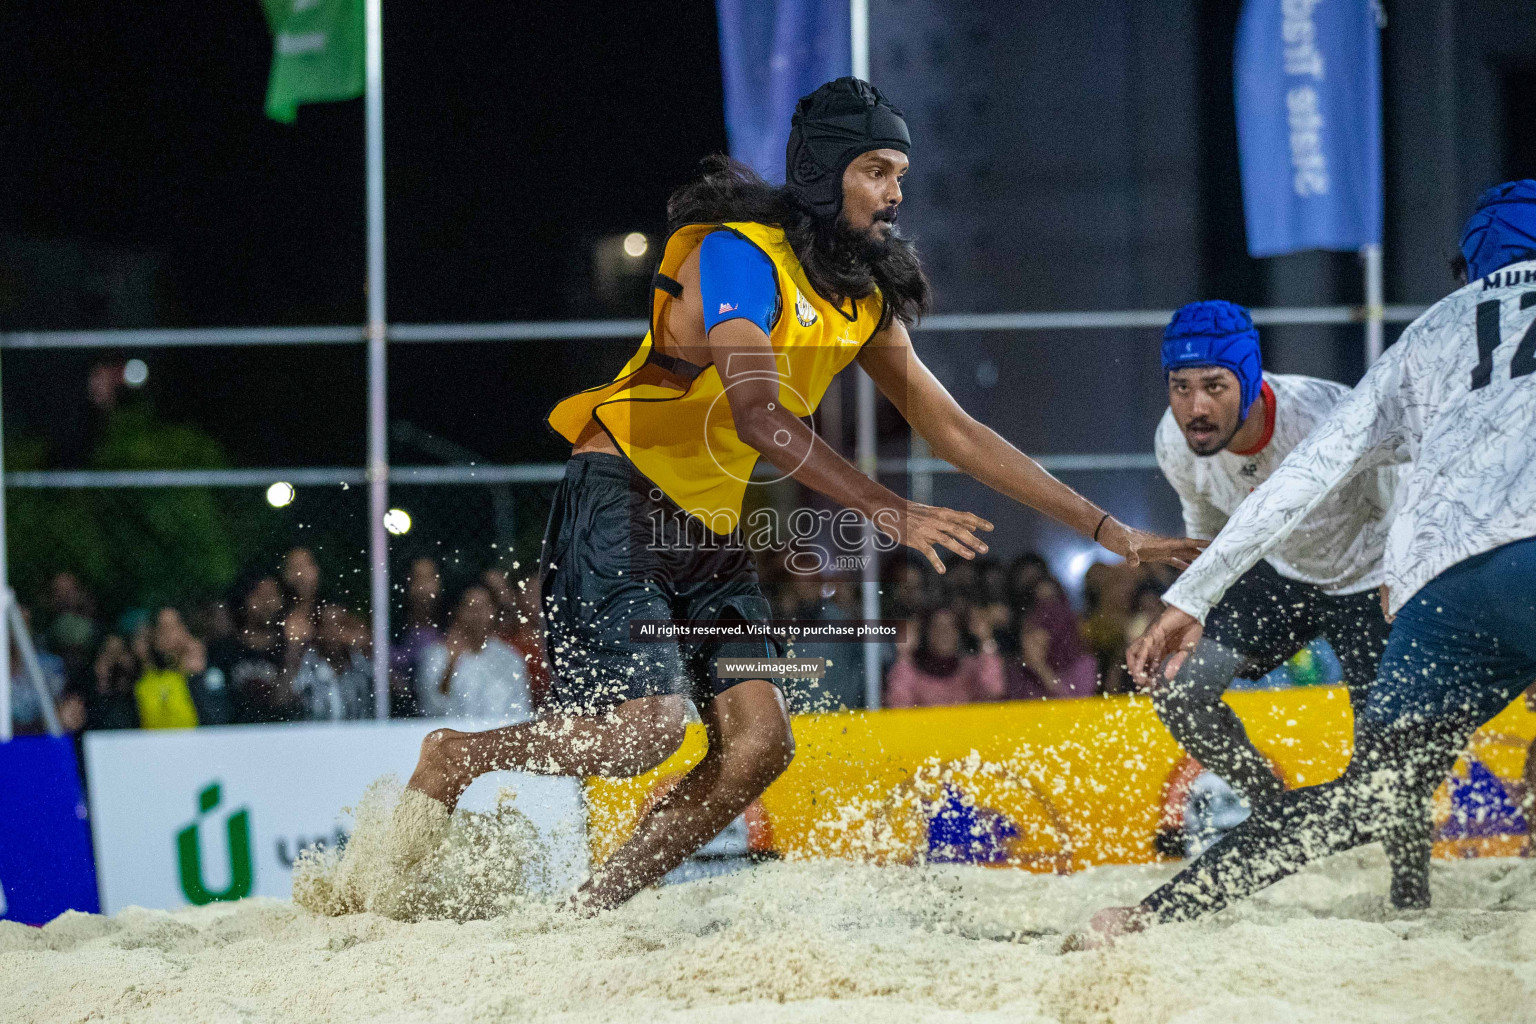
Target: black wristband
(1096,529)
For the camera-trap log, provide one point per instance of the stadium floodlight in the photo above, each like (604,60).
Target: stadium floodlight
(397,521)
(635,245)
(280,494)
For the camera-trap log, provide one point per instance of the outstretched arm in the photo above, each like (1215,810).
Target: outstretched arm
(980,452)
(747,365)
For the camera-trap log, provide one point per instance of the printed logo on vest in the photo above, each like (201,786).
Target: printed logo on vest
(804,311)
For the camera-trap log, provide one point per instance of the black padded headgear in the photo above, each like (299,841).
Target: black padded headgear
(831,127)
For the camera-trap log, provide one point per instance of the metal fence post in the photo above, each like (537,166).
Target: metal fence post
(5,590)
(858,25)
(870,586)
(1375,303)
(378,452)
(30,664)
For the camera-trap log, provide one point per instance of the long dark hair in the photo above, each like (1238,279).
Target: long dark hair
(838,264)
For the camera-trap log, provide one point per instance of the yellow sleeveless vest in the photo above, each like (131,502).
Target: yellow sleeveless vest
(685,442)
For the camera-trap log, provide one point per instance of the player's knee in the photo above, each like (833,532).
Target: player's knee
(761,751)
(1194,693)
(779,751)
(435,745)
(1178,705)
(669,726)
(660,725)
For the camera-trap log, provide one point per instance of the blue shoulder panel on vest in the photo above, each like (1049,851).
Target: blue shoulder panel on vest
(736,281)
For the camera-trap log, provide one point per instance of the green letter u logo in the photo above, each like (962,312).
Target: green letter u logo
(190,861)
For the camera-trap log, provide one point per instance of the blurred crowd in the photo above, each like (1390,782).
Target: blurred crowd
(279,650)
(984,630)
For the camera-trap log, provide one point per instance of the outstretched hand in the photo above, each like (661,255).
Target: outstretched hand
(1170,639)
(1138,546)
(925,527)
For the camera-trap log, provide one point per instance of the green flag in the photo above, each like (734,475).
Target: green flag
(317,53)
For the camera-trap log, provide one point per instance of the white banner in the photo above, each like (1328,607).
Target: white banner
(193,815)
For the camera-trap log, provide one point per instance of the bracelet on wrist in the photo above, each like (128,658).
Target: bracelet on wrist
(1096,529)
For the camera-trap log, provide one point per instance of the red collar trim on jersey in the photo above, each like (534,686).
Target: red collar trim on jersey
(1269,422)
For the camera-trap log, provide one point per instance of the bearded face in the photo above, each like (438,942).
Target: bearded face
(871,197)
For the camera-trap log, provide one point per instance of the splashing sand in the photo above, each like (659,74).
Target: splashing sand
(813,942)
(409,860)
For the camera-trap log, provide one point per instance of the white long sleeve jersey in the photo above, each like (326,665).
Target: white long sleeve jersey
(1338,547)
(1456,398)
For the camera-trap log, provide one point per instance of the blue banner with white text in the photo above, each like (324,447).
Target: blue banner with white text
(772,52)
(1308,90)
(46,864)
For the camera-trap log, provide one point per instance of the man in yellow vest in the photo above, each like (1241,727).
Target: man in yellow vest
(763,296)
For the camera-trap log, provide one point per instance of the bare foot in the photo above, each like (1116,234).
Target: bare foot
(599,893)
(1105,927)
(441,771)
(581,904)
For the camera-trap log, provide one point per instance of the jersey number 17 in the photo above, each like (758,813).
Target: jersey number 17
(1489,338)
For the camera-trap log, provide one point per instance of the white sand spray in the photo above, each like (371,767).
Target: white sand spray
(812,941)
(409,860)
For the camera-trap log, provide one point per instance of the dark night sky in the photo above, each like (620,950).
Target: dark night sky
(512,140)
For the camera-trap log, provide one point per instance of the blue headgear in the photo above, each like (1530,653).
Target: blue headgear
(1503,230)
(1216,333)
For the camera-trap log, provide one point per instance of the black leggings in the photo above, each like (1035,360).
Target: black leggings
(1460,651)
(1263,620)
(1383,796)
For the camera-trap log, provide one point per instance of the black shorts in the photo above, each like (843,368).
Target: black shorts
(1266,618)
(617,549)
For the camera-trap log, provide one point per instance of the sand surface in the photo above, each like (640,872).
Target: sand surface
(814,942)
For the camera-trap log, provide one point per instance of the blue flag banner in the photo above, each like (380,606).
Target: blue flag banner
(46,865)
(772,52)
(1308,83)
